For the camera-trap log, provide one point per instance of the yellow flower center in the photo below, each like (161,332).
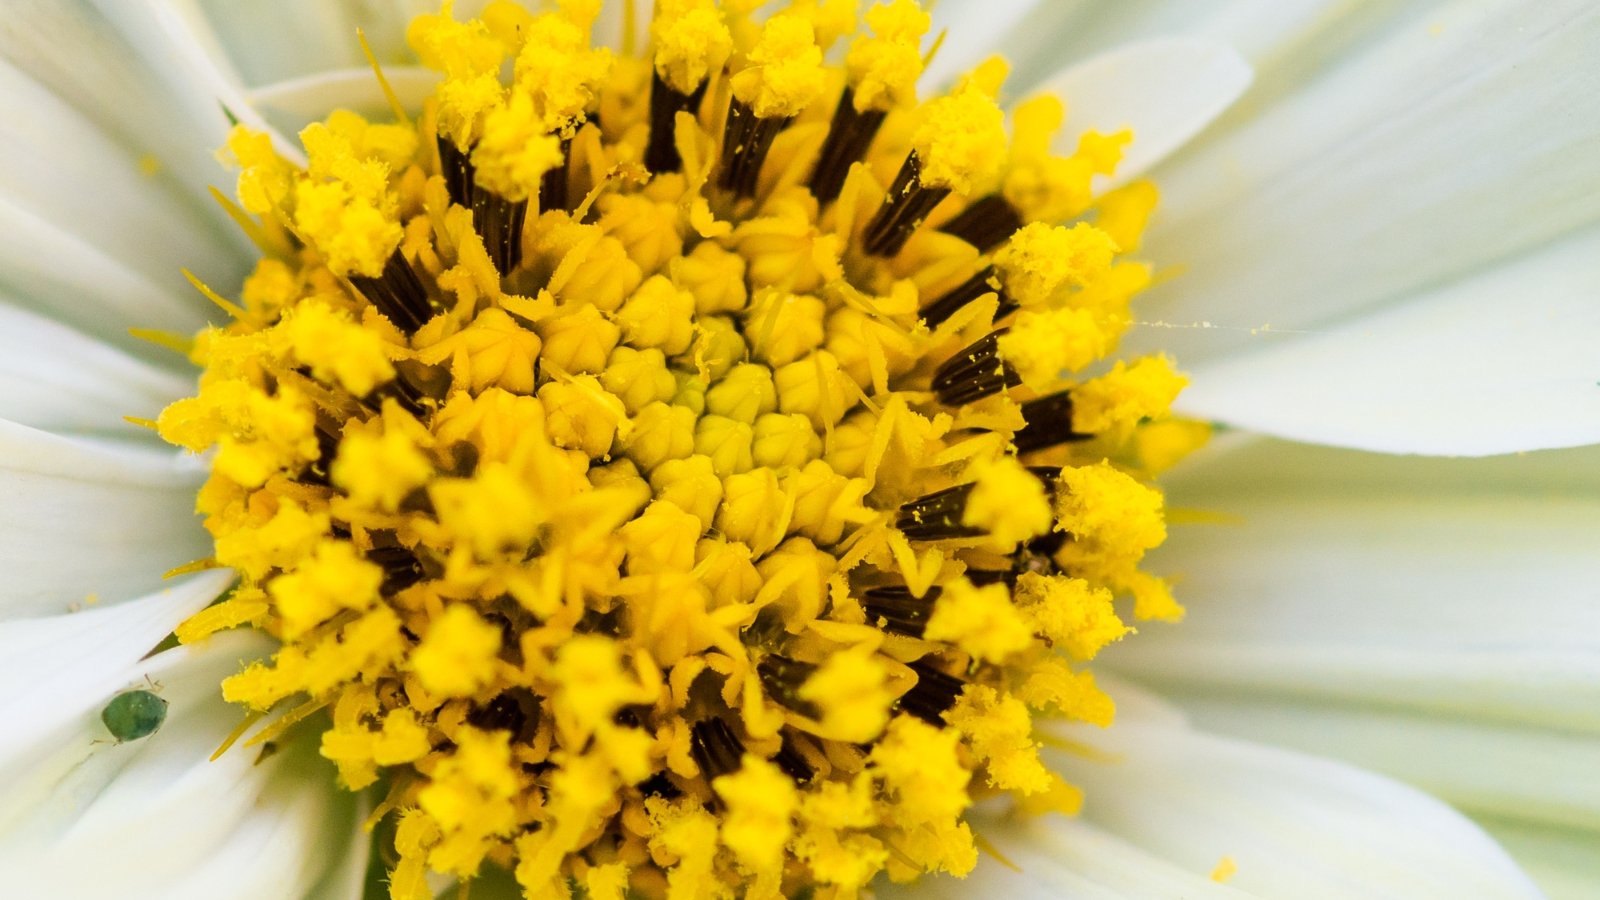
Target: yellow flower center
(683,475)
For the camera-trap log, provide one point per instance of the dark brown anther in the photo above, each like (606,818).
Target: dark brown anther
(792,763)
(400,568)
(937,516)
(895,609)
(460,177)
(1049,422)
(904,209)
(1038,556)
(985,223)
(848,138)
(745,142)
(932,695)
(985,281)
(666,101)
(504,713)
(782,678)
(499,222)
(975,372)
(716,749)
(553,193)
(397,293)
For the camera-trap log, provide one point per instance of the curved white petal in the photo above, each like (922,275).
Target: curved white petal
(159,819)
(57,379)
(1297,826)
(1466,136)
(1165,90)
(1562,861)
(293,39)
(76,54)
(1054,857)
(175,42)
(1497,362)
(1523,772)
(1284,39)
(56,673)
(1445,585)
(296,103)
(65,169)
(55,272)
(89,520)
(972,32)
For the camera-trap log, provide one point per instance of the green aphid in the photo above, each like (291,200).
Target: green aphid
(135,714)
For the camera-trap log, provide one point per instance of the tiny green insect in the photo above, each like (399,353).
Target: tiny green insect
(135,714)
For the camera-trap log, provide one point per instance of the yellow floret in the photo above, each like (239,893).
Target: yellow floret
(921,770)
(851,691)
(658,315)
(264,176)
(1043,346)
(380,469)
(357,234)
(582,415)
(516,149)
(1112,516)
(494,351)
(455,48)
(1072,614)
(1040,259)
(336,578)
(1008,502)
(961,140)
(785,69)
(1001,734)
(1123,397)
(337,348)
(761,803)
(883,69)
(470,797)
(458,654)
(559,71)
(691,41)
(494,511)
(1074,694)
(979,620)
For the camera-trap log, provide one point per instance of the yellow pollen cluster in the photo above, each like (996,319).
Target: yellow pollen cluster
(648,533)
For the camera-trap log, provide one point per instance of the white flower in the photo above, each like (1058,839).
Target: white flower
(1387,243)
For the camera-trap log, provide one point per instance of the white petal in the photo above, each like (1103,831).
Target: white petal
(1057,858)
(72,51)
(1528,773)
(159,819)
(65,169)
(1562,861)
(972,32)
(174,40)
(1497,362)
(1297,826)
(58,273)
(1283,39)
(57,379)
(86,519)
(294,104)
(292,39)
(1464,136)
(1165,90)
(1469,590)
(57,673)
(266,42)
